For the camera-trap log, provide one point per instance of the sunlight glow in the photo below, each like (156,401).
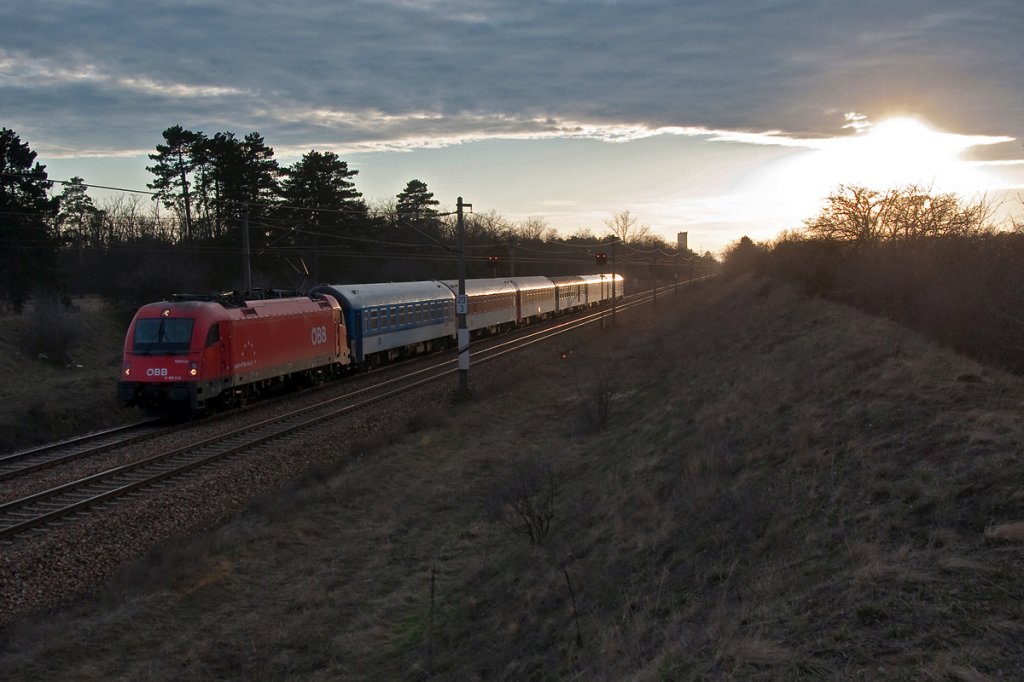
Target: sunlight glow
(901,151)
(893,153)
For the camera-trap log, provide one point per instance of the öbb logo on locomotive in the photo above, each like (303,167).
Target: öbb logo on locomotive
(318,335)
(331,330)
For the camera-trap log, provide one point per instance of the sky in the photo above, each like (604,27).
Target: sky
(719,118)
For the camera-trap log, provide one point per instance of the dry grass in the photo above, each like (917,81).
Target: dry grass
(57,373)
(1007,532)
(783,489)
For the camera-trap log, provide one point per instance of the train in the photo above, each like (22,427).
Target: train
(204,352)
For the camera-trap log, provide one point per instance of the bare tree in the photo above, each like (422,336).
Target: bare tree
(488,226)
(127,218)
(583,235)
(851,214)
(627,227)
(531,229)
(860,215)
(915,212)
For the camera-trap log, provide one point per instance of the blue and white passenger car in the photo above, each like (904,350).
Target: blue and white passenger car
(386,320)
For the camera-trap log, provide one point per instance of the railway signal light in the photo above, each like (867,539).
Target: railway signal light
(600,258)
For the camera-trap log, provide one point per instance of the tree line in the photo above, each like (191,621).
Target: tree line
(307,222)
(929,260)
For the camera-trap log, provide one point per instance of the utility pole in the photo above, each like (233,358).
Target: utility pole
(675,275)
(246,267)
(613,281)
(654,281)
(462,304)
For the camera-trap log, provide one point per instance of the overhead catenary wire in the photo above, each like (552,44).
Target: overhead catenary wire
(292,226)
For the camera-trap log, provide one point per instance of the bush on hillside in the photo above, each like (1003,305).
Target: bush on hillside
(742,256)
(53,331)
(924,261)
(524,499)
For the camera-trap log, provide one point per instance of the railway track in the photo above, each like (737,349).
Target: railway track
(42,509)
(53,454)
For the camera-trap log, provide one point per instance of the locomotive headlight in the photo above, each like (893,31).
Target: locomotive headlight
(193,370)
(127,370)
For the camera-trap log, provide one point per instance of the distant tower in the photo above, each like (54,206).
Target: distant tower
(681,240)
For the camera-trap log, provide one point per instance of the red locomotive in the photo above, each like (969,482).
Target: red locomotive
(202,351)
(198,351)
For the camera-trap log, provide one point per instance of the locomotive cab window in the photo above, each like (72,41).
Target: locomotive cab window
(162,335)
(213,336)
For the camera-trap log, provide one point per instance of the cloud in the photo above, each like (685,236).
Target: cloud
(46,73)
(111,74)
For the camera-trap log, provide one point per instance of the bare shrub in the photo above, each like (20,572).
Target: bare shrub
(53,331)
(525,499)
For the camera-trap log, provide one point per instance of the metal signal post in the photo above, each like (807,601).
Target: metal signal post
(613,282)
(600,260)
(246,256)
(462,304)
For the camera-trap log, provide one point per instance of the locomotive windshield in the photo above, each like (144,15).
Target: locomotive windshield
(163,335)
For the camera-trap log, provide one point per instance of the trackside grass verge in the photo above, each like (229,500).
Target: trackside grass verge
(778,487)
(58,369)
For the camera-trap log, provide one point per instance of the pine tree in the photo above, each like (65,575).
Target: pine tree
(77,218)
(245,176)
(416,201)
(321,204)
(176,161)
(320,180)
(27,246)
(415,210)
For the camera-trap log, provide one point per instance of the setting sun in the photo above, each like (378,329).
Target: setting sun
(901,151)
(895,152)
